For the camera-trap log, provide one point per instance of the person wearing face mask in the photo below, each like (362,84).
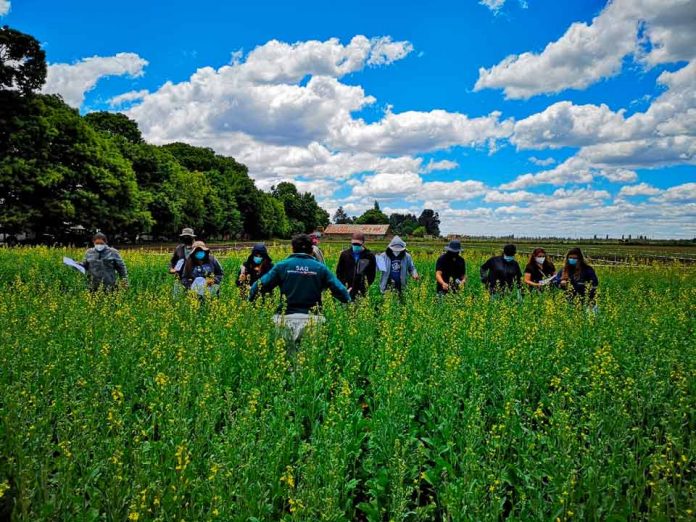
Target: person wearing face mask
(577,277)
(501,273)
(202,273)
(357,267)
(450,269)
(258,264)
(396,265)
(181,252)
(103,265)
(539,270)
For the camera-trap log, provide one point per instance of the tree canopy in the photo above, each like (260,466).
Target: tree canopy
(61,171)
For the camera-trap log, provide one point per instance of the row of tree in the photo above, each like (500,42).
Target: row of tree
(428,223)
(61,172)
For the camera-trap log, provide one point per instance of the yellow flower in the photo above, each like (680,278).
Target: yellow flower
(161,379)
(4,486)
(133,515)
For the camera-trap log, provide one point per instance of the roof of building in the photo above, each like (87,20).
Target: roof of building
(368,230)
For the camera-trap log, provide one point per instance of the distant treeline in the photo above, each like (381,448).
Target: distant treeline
(62,174)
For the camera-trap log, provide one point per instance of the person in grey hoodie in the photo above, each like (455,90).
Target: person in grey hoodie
(103,264)
(395,265)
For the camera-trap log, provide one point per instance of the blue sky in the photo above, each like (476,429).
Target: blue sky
(529,117)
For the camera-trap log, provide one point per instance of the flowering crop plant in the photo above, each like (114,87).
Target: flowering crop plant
(143,405)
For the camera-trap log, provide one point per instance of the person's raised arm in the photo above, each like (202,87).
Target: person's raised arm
(268,282)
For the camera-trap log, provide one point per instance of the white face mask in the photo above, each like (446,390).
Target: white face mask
(100,247)
(540,260)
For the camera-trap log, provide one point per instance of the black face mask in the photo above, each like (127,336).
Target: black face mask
(188,241)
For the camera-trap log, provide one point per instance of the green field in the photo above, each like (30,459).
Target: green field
(137,406)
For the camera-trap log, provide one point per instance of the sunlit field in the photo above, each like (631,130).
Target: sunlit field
(142,406)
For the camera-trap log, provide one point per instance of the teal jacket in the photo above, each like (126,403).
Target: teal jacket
(302,279)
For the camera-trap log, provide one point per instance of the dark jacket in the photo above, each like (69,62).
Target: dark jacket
(453,268)
(180,252)
(356,276)
(250,270)
(103,267)
(210,268)
(582,285)
(498,274)
(301,279)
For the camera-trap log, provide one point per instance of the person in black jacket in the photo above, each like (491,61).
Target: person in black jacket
(539,270)
(181,252)
(450,269)
(577,277)
(258,264)
(356,267)
(502,273)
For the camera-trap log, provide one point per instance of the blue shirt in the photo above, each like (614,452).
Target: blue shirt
(301,279)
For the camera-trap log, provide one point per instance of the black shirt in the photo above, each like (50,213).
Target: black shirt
(498,273)
(452,267)
(539,274)
(356,275)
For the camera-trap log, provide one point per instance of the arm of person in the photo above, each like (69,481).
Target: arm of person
(371,270)
(85,262)
(484,271)
(528,280)
(217,271)
(340,268)
(338,289)
(440,280)
(268,282)
(173,261)
(412,268)
(120,267)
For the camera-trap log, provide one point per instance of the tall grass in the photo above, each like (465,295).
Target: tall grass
(139,406)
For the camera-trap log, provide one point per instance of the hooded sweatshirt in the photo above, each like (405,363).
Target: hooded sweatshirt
(250,268)
(389,261)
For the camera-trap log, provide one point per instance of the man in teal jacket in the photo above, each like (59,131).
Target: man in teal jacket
(302,279)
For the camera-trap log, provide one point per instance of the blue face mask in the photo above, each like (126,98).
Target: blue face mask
(258,260)
(509,258)
(572,262)
(200,255)
(357,248)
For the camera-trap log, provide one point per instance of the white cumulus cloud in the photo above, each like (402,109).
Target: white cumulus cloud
(654,31)
(72,81)
(5,6)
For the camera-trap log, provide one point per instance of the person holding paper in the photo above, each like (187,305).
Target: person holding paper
(257,265)
(202,273)
(104,266)
(182,251)
(539,270)
(396,265)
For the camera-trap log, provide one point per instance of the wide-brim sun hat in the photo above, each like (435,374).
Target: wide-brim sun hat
(187,232)
(199,245)
(454,247)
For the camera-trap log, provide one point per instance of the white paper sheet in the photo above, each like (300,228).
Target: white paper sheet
(74,264)
(179,265)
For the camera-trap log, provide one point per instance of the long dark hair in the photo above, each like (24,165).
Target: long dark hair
(547,268)
(578,268)
(265,264)
(190,260)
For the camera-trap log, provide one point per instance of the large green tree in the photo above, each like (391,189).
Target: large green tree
(22,61)
(57,172)
(374,216)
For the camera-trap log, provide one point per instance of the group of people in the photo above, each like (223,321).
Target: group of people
(303,276)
